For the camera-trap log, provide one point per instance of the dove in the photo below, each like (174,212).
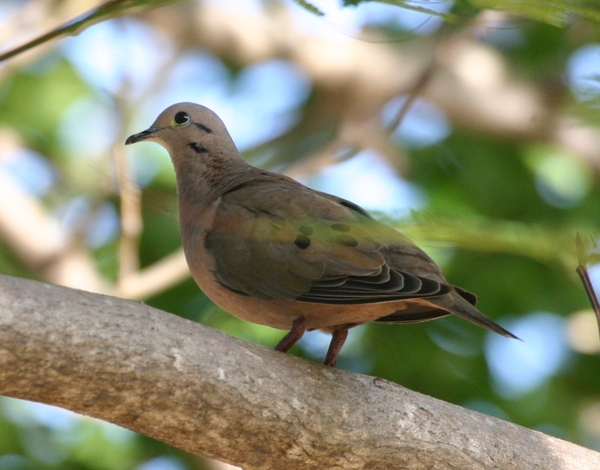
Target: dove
(271,251)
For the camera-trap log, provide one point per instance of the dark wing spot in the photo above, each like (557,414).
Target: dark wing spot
(305,230)
(346,240)
(196,147)
(340,227)
(203,127)
(302,241)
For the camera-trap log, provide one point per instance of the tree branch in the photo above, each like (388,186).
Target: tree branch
(217,396)
(102,12)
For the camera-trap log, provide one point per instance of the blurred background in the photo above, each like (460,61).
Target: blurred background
(474,131)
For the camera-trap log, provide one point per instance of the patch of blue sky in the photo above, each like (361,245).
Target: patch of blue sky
(66,426)
(423,125)
(594,270)
(371,182)
(418,22)
(33,172)
(504,33)
(88,128)
(73,213)
(583,72)
(28,413)
(44,447)
(124,50)
(519,367)
(247,7)
(265,101)
(162,463)
(112,432)
(100,225)
(196,76)
(104,226)
(259,104)
(50,430)
(11,7)
(352,19)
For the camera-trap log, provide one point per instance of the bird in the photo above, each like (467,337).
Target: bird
(271,251)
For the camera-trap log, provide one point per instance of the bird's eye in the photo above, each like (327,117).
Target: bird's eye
(182,118)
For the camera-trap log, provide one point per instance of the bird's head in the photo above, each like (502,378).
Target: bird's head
(188,128)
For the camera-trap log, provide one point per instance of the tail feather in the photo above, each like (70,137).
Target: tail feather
(465,310)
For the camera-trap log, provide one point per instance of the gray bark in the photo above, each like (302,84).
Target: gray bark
(217,396)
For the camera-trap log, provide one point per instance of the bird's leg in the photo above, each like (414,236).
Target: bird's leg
(338,338)
(298,329)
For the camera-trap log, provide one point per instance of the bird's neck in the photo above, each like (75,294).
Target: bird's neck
(201,182)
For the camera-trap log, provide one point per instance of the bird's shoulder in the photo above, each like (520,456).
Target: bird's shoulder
(280,196)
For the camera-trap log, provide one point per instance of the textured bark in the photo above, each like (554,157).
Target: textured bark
(217,396)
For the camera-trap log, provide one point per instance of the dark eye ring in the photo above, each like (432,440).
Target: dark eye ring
(182,118)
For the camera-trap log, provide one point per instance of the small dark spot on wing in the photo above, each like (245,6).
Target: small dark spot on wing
(347,240)
(302,241)
(340,227)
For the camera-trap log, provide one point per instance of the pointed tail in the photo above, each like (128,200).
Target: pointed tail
(465,310)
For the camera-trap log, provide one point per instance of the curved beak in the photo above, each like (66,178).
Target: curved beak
(132,139)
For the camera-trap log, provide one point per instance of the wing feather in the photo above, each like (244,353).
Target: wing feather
(275,239)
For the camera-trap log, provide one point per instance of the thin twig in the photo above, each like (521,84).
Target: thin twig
(131,204)
(585,277)
(441,56)
(72,27)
